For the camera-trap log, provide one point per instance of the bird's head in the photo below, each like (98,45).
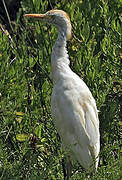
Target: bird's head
(58,18)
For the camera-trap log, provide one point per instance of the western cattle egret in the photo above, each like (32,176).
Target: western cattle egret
(73,107)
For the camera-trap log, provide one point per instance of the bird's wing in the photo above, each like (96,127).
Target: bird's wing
(89,114)
(75,114)
(68,117)
(87,111)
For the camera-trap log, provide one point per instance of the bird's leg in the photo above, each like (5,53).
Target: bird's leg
(64,169)
(68,167)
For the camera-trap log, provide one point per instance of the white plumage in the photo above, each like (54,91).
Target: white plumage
(73,107)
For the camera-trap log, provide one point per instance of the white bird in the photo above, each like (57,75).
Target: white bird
(73,107)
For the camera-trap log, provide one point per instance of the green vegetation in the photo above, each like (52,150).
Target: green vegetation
(30,147)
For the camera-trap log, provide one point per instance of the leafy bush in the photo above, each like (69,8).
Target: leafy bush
(30,147)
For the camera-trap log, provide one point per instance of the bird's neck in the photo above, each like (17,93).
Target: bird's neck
(59,58)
